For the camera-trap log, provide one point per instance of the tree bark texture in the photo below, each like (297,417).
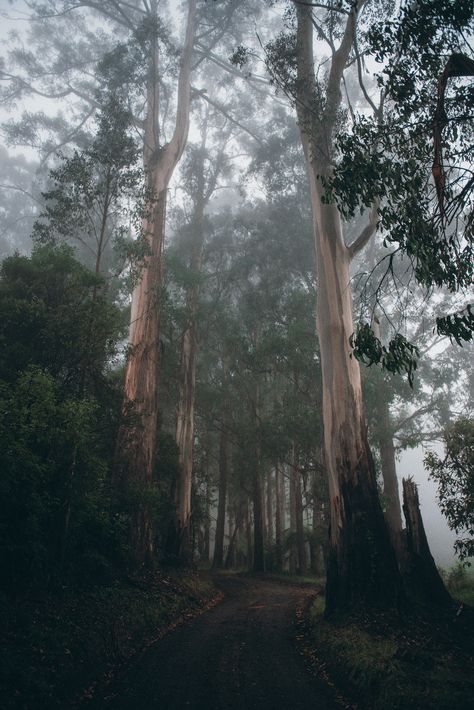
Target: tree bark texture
(420,572)
(136,445)
(362,569)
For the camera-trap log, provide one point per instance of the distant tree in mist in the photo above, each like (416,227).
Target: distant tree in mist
(454,474)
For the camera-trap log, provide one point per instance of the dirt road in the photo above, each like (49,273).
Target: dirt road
(240,655)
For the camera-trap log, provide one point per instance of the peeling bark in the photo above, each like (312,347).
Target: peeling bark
(362,569)
(420,573)
(136,446)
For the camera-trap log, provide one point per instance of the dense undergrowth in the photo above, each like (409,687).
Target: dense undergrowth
(422,659)
(54,649)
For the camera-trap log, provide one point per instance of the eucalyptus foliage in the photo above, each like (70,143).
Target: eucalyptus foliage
(454,474)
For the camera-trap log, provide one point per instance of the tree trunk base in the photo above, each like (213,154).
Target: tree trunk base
(420,573)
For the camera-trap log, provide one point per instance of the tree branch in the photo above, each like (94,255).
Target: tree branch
(203,95)
(359,243)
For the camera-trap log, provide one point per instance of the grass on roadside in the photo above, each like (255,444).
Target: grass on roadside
(53,648)
(421,660)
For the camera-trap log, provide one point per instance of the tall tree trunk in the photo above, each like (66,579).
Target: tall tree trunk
(393,511)
(299,525)
(279,514)
(248,535)
(207,525)
(185,413)
(218,559)
(316,548)
(136,446)
(257,489)
(258,546)
(293,559)
(269,500)
(362,569)
(230,560)
(203,191)
(318,537)
(319,527)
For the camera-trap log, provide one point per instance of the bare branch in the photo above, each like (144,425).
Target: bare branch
(359,243)
(203,94)
(321,6)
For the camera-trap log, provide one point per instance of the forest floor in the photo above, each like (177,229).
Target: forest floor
(145,645)
(248,652)
(60,646)
(421,659)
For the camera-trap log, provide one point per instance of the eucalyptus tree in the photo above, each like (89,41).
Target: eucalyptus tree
(204,167)
(401,414)
(137,448)
(454,475)
(264,336)
(96,194)
(362,567)
(351,166)
(145,58)
(20,202)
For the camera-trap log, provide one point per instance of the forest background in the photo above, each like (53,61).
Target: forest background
(152,153)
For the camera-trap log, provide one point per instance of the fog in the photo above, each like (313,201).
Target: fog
(257,217)
(440,537)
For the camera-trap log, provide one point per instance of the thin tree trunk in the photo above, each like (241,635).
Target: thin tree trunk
(187,387)
(299,526)
(293,561)
(279,514)
(362,569)
(230,560)
(218,559)
(248,534)
(258,552)
(189,348)
(317,553)
(185,423)
(393,512)
(270,507)
(207,525)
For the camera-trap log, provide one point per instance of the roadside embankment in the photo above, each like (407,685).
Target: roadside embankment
(55,649)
